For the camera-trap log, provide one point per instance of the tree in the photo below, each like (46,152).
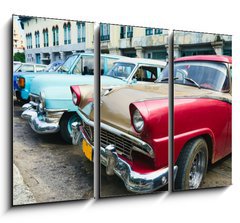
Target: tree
(19,57)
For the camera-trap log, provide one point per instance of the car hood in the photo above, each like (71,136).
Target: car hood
(66,80)
(27,75)
(114,106)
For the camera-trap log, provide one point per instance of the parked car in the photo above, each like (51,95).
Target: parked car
(134,125)
(54,66)
(51,109)
(21,68)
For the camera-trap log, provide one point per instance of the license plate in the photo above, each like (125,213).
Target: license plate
(87,149)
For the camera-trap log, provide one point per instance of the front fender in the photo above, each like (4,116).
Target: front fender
(59,98)
(181,140)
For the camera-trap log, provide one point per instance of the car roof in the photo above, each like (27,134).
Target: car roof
(105,55)
(142,61)
(217,58)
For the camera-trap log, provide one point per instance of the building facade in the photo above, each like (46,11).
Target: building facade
(153,42)
(134,41)
(49,40)
(196,43)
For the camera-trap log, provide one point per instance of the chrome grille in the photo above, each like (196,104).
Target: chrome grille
(122,144)
(88,130)
(34,100)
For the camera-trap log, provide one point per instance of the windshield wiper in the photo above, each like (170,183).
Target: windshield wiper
(192,81)
(165,79)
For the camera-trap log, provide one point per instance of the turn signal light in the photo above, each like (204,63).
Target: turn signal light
(21,82)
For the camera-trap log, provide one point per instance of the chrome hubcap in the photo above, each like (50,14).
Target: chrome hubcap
(197,170)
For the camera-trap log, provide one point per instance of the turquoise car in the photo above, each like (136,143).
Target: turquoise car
(51,108)
(73,65)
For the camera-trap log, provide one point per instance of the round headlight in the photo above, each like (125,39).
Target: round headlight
(74,98)
(138,121)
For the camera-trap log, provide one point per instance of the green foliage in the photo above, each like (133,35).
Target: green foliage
(19,57)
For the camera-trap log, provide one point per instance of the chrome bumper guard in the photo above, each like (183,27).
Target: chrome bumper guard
(134,181)
(76,133)
(37,123)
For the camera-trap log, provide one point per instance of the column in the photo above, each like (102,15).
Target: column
(139,52)
(218,47)
(176,51)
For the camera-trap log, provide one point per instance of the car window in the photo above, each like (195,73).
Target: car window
(67,65)
(106,64)
(84,66)
(121,70)
(206,74)
(26,68)
(147,73)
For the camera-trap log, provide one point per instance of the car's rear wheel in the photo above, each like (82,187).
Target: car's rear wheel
(192,165)
(66,125)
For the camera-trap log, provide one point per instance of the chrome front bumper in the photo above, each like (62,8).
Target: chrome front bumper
(134,181)
(37,121)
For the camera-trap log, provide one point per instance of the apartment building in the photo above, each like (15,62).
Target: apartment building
(48,40)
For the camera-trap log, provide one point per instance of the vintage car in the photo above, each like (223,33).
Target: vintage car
(51,109)
(21,68)
(24,80)
(134,125)
(54,66)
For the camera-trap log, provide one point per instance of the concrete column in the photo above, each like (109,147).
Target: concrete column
(61,56)
(218,47)
(176,51)
(167,50)
(139,52)
(52,58)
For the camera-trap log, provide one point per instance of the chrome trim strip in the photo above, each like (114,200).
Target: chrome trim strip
(34,95)
(144,147)
(50,110)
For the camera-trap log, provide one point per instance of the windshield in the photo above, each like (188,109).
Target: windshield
(68,64)
(203,74)
(53,67)
(26,68)
(121,70)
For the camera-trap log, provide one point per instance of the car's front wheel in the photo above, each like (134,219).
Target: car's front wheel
(66,125)
(192,165)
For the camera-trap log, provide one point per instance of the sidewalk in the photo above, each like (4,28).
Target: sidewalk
(21,192)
